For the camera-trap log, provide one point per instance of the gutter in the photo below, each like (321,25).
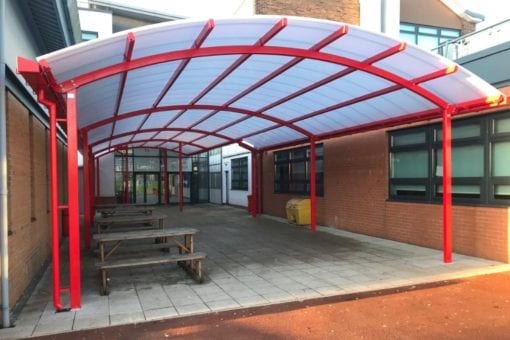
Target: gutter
(4,254)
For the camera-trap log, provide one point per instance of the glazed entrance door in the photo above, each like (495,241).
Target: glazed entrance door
(147,188)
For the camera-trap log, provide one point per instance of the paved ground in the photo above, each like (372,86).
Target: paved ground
(475,308)
(251,262)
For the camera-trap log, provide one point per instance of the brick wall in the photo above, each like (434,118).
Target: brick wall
(28,216)
(355,199)
(338,10)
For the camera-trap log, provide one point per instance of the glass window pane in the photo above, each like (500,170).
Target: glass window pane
(502,191)
(467,161)
(466,191)
(427,30)
(450,33)
(409,139)
(409,164)
(501,159)
(408,190)
(146,164)
(407,27)
(427,42)
(408,37)
(502,125)
(462,131)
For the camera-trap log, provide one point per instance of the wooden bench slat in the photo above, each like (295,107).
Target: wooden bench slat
(129,219)
(142,234)
(122,263)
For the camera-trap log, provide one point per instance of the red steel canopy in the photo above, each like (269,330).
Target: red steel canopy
(264,82)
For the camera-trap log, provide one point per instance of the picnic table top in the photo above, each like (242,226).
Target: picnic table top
(129,218)
(123,205)
(142,234)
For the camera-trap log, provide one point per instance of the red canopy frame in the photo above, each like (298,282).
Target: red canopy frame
(61,100)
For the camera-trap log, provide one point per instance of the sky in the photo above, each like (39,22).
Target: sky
(494,10)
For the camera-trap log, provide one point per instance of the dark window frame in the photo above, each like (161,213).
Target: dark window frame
(239,170)
(486,182)
(440,35)
(285,180)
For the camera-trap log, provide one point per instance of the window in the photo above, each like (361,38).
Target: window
(427,37)
(88,35)
(480,161)
(239,168)
(292,171)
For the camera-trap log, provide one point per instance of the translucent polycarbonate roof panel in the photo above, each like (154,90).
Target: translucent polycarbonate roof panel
(219,120)
(157,120)
(359,44)
(211,141)
(143,136)
(86,57)
(99,133)
(235,32)
(189,118)
(97,101)
(144,85)
(267,79)
(198,74)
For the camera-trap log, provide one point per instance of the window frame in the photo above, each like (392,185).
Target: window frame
(440,36)
(239,170)
(486,182)
(283,186)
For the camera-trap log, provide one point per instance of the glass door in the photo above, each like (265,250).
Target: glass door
(173,182)
(146,188)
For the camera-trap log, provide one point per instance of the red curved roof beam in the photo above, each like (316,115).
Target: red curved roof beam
(280,25)
(128,54)
(127,143)
(202,36)
(158,130)
(259,50)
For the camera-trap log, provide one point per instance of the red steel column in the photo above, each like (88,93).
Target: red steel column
(181,180)
(259,181)
(165,177)
(254,185)
(92,182)
(447,184)
(86,190)
(98,186)
(72,187)
(313,198)
(55,238)
(125,170)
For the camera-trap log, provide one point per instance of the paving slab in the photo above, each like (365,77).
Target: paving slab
(250,262)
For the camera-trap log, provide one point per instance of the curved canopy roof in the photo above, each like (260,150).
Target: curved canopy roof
(263,81)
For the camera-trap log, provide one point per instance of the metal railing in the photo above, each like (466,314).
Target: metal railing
(476,41)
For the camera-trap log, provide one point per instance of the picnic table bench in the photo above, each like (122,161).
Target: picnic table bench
(129,210)
(129,222)
(187,258)
(122,205)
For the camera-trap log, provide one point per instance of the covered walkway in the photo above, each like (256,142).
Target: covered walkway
(261,82)
(251,262)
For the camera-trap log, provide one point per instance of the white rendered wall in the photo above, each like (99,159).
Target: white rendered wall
(371,14)
(96,21)
(235,197)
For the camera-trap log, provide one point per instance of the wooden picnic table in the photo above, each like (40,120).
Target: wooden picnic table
(122,205)
(190,260)
(129,221)
(130,210)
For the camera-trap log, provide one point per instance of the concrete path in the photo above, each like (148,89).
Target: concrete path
(250,262)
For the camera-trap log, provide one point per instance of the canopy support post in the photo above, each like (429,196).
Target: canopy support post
(86,190)
(254,185)
(181,180)
(313,198)
(98,187)
(259,181)
(54,207)
(447,183)
(166,192)
(125,176)
(73,206)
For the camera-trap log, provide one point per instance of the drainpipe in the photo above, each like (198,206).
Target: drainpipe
(3,178)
